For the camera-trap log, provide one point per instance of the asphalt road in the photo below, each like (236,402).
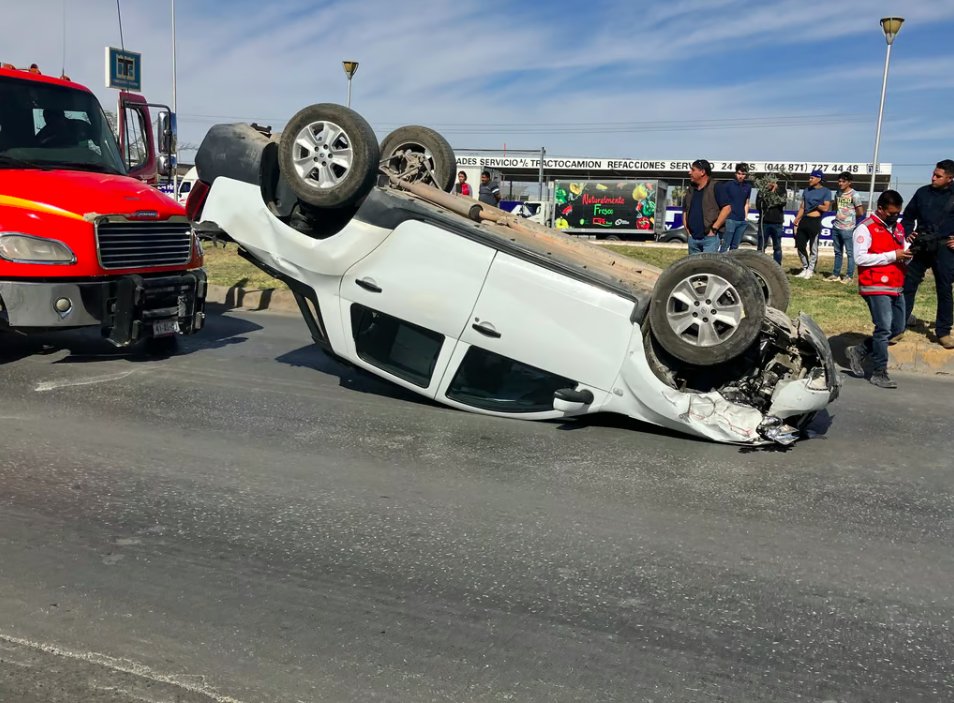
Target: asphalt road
(250,521)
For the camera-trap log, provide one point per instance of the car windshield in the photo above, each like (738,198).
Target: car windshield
(52,126)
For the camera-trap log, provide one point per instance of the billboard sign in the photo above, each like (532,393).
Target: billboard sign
(608,206)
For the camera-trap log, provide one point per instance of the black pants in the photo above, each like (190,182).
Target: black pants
(942,264)
(806,241)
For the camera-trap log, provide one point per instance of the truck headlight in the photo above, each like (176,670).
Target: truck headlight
(27,249)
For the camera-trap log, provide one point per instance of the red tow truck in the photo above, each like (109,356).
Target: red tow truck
(85,240)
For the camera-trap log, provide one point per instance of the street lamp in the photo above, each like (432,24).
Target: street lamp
(349,68)
(891,26)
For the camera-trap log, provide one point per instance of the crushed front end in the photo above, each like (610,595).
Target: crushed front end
(786,376)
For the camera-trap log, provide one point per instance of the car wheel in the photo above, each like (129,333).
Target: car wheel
(769,275)
(420,154)
(612,238)
(706,309)
(329,155)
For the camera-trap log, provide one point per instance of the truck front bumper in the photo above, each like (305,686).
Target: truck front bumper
(126,308)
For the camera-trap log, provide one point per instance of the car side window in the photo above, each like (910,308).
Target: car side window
(490,381)
(401,348)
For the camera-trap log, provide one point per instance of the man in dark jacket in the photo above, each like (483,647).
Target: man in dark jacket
(932,209)
(704,209)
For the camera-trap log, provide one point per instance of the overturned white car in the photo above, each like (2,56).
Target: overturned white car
(486,312)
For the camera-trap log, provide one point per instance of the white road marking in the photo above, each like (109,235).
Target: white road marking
(53,385)
(123,666)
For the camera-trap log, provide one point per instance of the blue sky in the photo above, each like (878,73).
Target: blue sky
(720,79)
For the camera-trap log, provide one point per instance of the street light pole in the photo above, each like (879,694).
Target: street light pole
(349,68)
(175,166)
(890,26)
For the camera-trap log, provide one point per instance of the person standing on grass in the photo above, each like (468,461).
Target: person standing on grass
(770,202)
(737,192)
(849,210)
(881,253)
(704,209)
(816,199)
(932,208)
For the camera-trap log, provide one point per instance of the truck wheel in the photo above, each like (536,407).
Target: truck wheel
(706,309)
(329,155)
(421,151)
(769,275)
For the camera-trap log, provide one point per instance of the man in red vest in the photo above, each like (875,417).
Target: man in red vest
(881,253)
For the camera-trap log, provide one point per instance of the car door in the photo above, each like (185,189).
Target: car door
(407,302)
(534,331)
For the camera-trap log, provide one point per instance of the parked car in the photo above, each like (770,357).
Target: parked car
(483,311)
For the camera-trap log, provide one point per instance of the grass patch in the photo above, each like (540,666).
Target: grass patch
(225,267)
(837,308)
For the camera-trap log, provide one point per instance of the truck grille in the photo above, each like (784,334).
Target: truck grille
(127,245)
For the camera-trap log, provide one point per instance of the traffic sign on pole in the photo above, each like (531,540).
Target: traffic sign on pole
(123,69)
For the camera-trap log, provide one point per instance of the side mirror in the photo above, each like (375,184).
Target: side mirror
(568,400)
(166,132)
(166,164)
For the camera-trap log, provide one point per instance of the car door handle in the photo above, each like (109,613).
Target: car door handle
(486,329)
(368,284)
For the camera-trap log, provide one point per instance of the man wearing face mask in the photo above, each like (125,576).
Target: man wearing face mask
(881,253)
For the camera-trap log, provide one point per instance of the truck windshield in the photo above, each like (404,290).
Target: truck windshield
(50,126)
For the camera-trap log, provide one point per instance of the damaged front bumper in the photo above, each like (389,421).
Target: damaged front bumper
(800,398)
(768,395)
(125,308)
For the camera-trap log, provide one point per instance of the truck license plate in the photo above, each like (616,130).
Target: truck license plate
(163,328)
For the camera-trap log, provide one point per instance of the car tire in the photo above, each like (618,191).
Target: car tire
(683,316)
(769,275)
(438,155)
(329,156)
(612,238)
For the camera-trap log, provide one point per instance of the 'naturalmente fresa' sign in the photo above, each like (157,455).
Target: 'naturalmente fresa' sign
(602,205)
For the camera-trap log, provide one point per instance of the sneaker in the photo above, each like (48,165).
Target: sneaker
(896,338)
(947,341)
(881,379)
(847,280)
(856,359)
(833,278)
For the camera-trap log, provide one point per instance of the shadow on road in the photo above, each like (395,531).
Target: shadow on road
(86,345)
(349,376)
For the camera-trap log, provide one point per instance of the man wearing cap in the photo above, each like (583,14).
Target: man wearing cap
(704,209)
(816,199)
(770,202)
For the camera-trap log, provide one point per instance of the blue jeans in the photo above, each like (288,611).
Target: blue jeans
(888,316)
(705,245)
(733,234)
(772,232)
(841,239)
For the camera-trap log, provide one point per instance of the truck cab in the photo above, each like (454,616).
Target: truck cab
(85,240)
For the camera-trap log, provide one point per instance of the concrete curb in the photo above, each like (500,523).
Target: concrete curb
(914,354)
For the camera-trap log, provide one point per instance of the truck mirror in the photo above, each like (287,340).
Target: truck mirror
(166,165)
(167,132)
